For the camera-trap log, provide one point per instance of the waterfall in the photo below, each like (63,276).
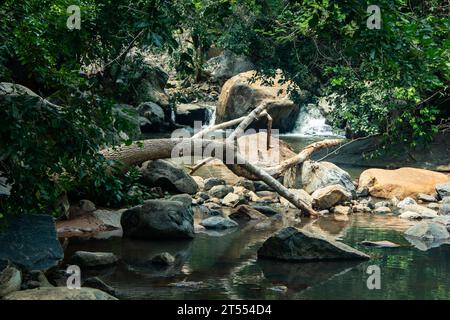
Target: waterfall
(211,117)
(311,122)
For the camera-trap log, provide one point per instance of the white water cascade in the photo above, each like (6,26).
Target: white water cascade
(311,122)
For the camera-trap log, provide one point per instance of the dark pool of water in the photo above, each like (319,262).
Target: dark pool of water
(226,266)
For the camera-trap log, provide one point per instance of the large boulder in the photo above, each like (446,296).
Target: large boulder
(316,175)
(400,183)
(162,173)
(227,65)
(158,219)
(30,242)
(187,113)
(428,231)
(242,93)
(60,293)
(325,198)
(139,80)
(292,244)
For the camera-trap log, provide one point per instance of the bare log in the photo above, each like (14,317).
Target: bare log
(153,149)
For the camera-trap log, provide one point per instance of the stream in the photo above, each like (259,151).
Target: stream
(224,265)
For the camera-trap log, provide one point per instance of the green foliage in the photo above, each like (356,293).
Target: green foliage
(391,81)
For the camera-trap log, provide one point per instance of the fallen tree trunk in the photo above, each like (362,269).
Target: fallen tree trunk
(141,151)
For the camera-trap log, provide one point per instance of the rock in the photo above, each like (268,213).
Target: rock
(198,228)
(323,212)
(401,183)
(188,113)
(246,213)
(232,200)
(429,231)
(380,244)
(109,218)
(227,65)
(444,209)
(97,283)
(247,184)
(85,259)
(434,206)
(406,202)
(291,244)
(240,95)
(200,182)
(302,194)
(87,206)
(5,188)
(162,173)
(444,220)
(10,278)
(165,259)
(326,197)
(383,204)
(281,289)
(184,199)
(426,197)
(261,186)
(342,210)
(154,116)
(267,196)
(443,189)
(212,182)
(60,293)
(423,211)
(141,81)
(361,208)
(30,242)
(158,219)
(317,175)
(382,210)
(266,210)
(410,215)
(220,191)
(218,223)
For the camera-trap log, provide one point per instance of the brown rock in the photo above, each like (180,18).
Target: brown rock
(246,213)
(400,183)
(327,197)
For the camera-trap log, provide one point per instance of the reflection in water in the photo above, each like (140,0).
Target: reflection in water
(225,266)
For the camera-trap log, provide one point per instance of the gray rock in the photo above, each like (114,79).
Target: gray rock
(443,189)
(152,112)
(406,202)
(212,182)
(10,278)
(380,204)
(165,259)
(87,205)
(433,206)
(428,231)
(60,293)
(426,197)
(109,218)
(30,241)
(227,65)
(97,283)
(247,184)
(187,113)
(423,211)
(382,210)
(158,219)
(316,175)
(410,215)
(325,198)
(183,198)
(220,191)
(444,209)
(162,173)
(218,223)
(261,186)
(292,244)
(5,188)
(266,210)
(85,259)
(444,220)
